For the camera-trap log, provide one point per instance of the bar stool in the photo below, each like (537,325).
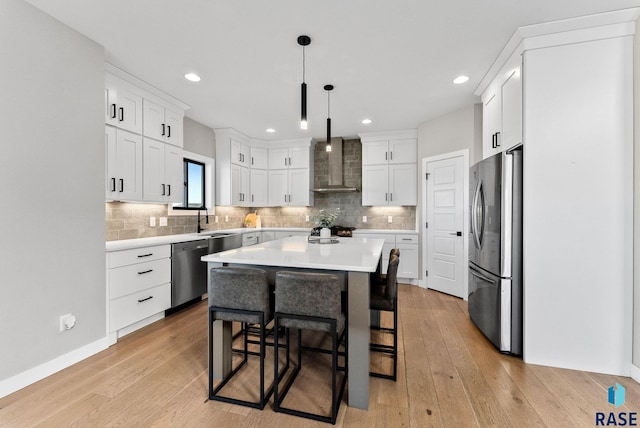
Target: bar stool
(384,297)
(240,294)
(311,301)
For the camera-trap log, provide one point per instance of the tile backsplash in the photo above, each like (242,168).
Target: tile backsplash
(130,220)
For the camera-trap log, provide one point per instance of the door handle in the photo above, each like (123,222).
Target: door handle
(163,188)
(122,185)
(482,277)
(456,233)
(163,129)
(121,114)
(113,114)
(113,184)
(168,131)
(169,187)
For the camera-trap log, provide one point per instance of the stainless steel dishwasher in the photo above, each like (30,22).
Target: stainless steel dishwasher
(188,272)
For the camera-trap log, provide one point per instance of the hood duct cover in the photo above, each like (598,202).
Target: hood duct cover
(336,180)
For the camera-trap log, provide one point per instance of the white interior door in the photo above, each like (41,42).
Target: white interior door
(446,261)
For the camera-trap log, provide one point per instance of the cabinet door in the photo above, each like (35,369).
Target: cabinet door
(154,126)
(174,127)
(154,187)
(174,173)
(278,158)
(375,153)
(298,184)
(110,162)
(491,123)
(259,158)
(239,153)
(375,181)
(511,111)
(408,267)
(403,184)
(128,166)
(403,151)
(239,185)
(123,105)
(299,157)
(259,187)
(278,187)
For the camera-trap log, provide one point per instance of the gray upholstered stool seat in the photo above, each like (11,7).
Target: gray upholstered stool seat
(384,297)
(242,295)
(311,301)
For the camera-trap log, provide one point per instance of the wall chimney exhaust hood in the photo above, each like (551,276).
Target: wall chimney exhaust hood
(336,180)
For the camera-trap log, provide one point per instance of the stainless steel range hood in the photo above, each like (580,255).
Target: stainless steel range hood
(336,177)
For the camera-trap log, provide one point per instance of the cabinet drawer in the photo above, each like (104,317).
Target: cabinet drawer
(406,239)
(133,278)
(135,307)
(388,239)
(137,255)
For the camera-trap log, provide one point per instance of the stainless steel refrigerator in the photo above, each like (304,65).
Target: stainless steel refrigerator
(495,249)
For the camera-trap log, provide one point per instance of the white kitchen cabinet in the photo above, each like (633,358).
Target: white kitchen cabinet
(408,246)
(259,158)
(392,185)
(289,157)
(502,109)
(163,176)
(123,104)
(162,123)
(392,151)
(250,238)
(389,169)
(240,153)
(259,186)
(123,154)
(240,195)
(138,288)
(289,187)
(267,235)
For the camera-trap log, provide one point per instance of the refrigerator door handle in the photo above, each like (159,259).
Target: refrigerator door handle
(476,210)
(480,276)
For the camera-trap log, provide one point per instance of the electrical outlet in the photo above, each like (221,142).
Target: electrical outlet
(163,221)
(390,219)
(152,222)
(67,322)
(307,218)
(226,219)
(215,219)
(364,218)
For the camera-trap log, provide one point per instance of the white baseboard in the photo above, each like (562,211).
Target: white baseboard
(635,373)
(26,378)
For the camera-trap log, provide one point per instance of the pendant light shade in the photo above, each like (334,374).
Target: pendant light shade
(328,88)
(303,41)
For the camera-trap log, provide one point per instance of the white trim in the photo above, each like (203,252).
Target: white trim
(388,135)
(423,281)
(28,377)
(138,325)
(635,373)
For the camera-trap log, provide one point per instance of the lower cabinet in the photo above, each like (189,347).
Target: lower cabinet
(409,250)
(138,288)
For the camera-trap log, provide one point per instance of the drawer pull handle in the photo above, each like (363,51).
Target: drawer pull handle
(145,299)
(145,255)
(146,271)
(407,239)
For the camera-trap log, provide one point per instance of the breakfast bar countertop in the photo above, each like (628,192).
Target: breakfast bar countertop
(347,254)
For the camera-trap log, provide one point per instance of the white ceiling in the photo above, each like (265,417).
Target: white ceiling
(390,60)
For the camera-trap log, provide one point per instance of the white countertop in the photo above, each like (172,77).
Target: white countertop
(126,244)
(349,254)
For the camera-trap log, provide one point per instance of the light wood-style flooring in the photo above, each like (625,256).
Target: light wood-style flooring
(448,375)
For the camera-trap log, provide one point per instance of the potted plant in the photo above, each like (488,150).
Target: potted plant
(325,219)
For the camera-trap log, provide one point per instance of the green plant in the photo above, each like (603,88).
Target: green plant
(326,218)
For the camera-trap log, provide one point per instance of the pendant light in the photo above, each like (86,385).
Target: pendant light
(328,88)
(303,41)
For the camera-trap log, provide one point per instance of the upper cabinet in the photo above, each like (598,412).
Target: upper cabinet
(259,158)
(162,123)
(389,169)
(289,157)
(240,153)
(134,108)
(123,104)
(233,158)
(502,109)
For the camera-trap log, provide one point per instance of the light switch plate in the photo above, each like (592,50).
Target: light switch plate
(216,219)
(306,218)
(163,221)
(364,218)
(390,219)
(152,221)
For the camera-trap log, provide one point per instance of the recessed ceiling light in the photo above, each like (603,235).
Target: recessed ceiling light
(192,77)
(271,130)
(460,80)
(366,121)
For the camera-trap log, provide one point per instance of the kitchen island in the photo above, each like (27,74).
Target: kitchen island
(357,258)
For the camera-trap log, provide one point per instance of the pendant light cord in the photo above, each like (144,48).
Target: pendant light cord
(304,60)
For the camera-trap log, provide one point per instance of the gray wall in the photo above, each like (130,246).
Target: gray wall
(199,138)
(52,174)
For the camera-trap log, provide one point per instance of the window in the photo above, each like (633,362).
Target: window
(194,186)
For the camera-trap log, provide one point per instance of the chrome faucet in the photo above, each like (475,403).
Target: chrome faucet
(206,220)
